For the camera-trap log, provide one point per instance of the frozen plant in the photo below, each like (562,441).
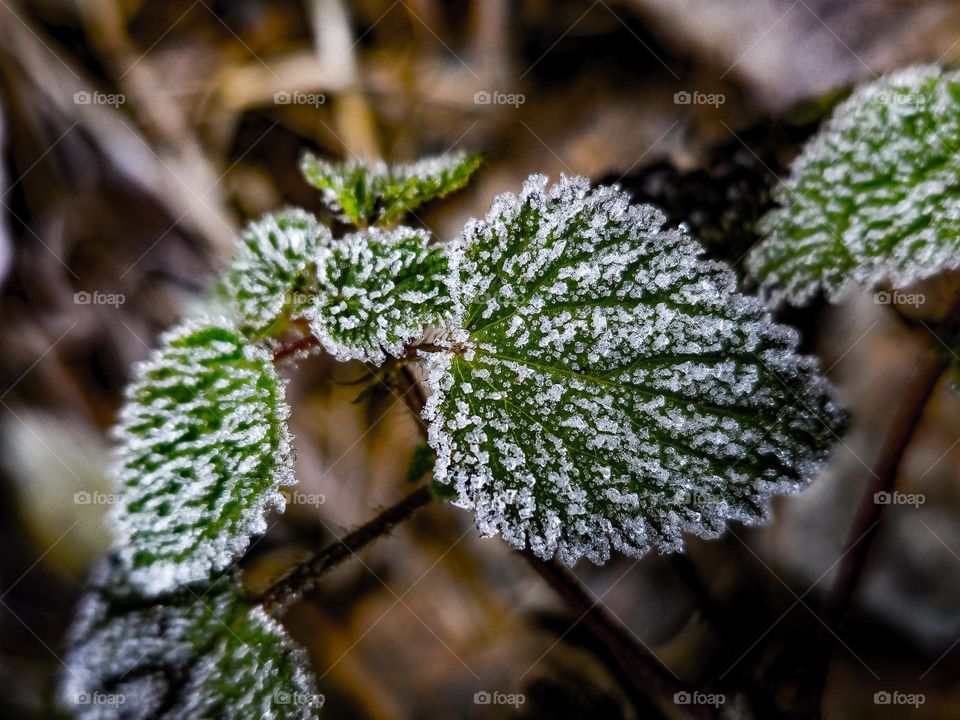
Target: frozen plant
(203,450)
(605,385)
(594,384)
(873,197)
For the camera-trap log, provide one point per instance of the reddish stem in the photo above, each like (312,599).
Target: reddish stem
(292,348)
(884,477)
(305,575)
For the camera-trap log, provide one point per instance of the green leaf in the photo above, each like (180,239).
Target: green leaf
(366,190)
(421,463)
(270,267)
(203,451)
(202,653)
(605,386)
(873,197)
(376,291)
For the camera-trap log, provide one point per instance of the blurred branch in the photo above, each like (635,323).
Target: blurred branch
(933,364)
(335,46)
(491,42)
(175,144)
(866,525)
(713,613)
(6,244)
(884,474)
(305,576)
(633,657)
(178,182)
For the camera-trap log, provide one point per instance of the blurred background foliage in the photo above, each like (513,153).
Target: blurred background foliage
(137,136)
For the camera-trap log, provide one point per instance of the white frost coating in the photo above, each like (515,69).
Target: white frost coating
(361,189)
(434,166)
(604,386)
(203,449)
(376,291)
(203,655)
(334,179)
(873,197)
(270,261)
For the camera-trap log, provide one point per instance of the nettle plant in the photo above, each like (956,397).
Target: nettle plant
(592,384)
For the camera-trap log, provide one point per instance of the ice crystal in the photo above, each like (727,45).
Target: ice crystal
(606,386)
(873,197)
(204,653)
(365,190)
(203,449)
(376,290)
(270,265)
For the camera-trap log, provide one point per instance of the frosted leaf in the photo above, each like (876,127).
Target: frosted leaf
(202,653)
(366,190)
(874,195)
(270,266)
(605,386)
(203,450)
(376,290)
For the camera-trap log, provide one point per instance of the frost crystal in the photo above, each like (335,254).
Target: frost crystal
(203,449)
(364,190)
(604,385)
(376,291)
(873,197)
(202,654)
(270,264)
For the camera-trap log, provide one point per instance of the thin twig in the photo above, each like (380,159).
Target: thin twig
(884,477)
(292,348)
(867,523)
(414,398)
(634,658)
(715,615)
(305,575)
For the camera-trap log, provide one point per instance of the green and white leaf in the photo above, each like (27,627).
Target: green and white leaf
(362,191)
(203,451)
(376,290)
(606,386)
(203,653)
(873,197)
(270,267)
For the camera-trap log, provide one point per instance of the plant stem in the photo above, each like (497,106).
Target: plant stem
(866,525)
(292,348)
(413,397)
(305,575)
(630,654)
(711,612)
(884,475)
